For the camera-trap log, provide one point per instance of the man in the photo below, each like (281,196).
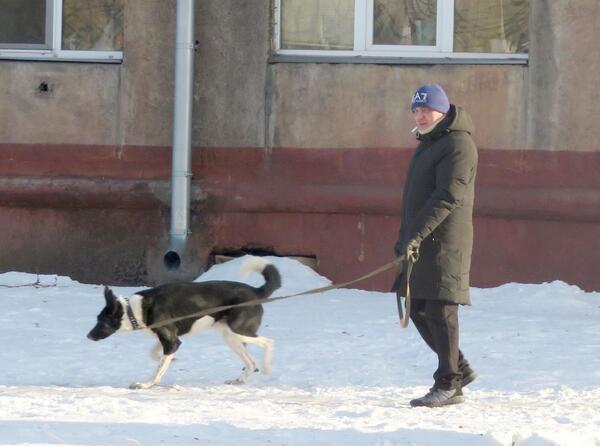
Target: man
(437,234)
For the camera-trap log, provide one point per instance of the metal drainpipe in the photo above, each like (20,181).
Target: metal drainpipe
(182,135)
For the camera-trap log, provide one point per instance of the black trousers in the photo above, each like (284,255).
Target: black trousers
(437,323)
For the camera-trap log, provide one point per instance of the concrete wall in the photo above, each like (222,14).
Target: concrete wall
(231,73)
(99,104)
(313,105)
(91,156)
(88,114)
(357,106)
(131,103)
(563,100)
(297,158)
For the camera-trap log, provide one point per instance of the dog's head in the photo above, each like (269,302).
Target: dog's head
(109,319)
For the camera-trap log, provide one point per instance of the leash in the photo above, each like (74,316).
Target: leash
(405,318)
(254,302)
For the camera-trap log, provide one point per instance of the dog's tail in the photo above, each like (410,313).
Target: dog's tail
(269,272)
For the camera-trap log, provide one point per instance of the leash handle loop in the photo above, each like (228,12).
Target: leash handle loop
(405,318)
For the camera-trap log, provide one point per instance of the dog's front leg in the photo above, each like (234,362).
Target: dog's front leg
(160,371)
(170,343)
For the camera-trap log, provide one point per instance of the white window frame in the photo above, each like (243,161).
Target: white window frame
(52,48)
(364,47)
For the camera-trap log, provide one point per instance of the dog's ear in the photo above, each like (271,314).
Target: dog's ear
(110,297)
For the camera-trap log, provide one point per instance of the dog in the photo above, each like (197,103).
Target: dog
(238,326)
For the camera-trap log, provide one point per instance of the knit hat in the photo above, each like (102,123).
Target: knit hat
(432,96)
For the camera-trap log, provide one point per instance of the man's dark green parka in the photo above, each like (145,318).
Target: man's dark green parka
(437,209)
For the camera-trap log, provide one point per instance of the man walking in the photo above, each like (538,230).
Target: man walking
(437,233)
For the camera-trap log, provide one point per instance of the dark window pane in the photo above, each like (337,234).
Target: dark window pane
(23,22)
(317,24)
(491,26)
(404,22)
(92,25)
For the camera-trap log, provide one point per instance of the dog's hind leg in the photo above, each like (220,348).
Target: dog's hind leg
(160,371)
(266,344)
(244,323)
(235,344)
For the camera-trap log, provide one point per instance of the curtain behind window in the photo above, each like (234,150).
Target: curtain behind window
(404,22)
(317,24)
(491,26)
(92,25)
(23,22)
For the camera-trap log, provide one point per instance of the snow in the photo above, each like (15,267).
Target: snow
(343,371)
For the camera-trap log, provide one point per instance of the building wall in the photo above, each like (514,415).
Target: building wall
(562,102)
(361,106)
(296,158)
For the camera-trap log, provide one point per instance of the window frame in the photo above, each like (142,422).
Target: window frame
(365,49)
(52,47)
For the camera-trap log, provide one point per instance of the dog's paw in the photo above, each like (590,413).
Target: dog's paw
(139,386)
(266,370)
(235,382)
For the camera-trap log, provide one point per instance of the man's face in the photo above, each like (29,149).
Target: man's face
(425,117)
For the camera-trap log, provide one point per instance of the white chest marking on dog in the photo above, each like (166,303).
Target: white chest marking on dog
(135,302)
(201,325)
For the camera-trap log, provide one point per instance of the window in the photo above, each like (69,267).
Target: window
(316,24)
(23,24)
(450,29)
(61,29)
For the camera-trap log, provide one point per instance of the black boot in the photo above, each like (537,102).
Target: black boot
(437,397)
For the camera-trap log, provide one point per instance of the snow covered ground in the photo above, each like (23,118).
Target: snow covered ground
(343,372)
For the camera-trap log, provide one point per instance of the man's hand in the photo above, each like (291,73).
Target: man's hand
(412,250)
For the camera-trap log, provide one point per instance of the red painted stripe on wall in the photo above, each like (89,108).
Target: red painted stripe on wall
(537,212)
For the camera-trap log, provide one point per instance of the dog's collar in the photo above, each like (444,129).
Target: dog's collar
(134,322)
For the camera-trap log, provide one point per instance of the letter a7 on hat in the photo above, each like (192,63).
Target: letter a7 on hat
(432,96)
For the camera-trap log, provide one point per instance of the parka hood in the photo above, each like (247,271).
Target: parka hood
(456,120)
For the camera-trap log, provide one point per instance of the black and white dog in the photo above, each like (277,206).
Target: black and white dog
(238,326)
